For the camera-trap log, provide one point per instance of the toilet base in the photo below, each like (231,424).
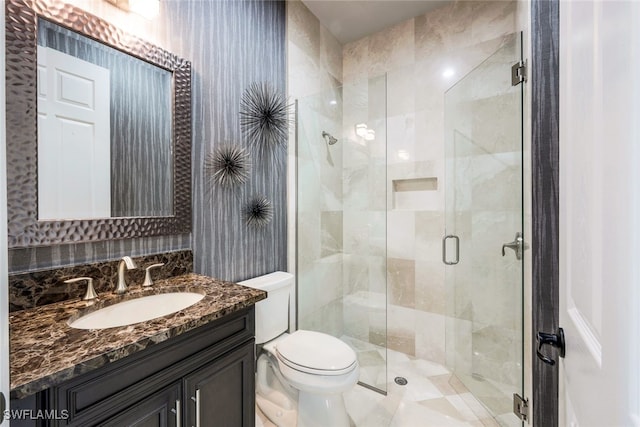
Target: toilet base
(322,410)
(281,417)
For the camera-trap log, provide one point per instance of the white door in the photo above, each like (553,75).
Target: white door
(74,168)
(600,212)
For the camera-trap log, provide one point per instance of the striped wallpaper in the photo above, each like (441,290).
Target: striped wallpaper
(231,44)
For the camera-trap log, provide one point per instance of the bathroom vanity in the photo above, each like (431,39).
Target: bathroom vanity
(194,367)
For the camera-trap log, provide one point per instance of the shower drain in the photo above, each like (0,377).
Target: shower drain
(401,381)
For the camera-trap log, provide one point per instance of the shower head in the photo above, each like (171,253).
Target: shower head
(329,138)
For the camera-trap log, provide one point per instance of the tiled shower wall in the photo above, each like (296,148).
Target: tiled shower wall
(401,73)
(416,54)
(314,75)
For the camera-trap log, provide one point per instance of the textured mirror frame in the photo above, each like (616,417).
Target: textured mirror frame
(25,230)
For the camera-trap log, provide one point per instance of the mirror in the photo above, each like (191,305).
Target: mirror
(104,130)
(98,130)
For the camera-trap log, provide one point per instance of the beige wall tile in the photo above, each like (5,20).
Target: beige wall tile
(378,275)
(402,341)
(401,234)
(401,139)
(429,230)
(401,91)
(401,282)
(444,28)
(331,233)
(415,53)
(328,319)
(430,287)
(391,48)
(430,336)
(304,29)
(493,19)
(496,354)
(330,54)
(355,61)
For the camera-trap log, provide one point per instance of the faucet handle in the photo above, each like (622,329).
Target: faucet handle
(91,293)
(147,276)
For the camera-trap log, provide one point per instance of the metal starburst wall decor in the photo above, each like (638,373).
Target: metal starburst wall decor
(228,166)
(258,212)
(264,118)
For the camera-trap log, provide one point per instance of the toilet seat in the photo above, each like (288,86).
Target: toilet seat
(316,353)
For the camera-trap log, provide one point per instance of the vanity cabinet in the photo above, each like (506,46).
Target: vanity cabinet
(160,410)
(204,377)
(218,391)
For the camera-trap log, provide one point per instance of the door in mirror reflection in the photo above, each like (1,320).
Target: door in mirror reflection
(73,140)
(120,165)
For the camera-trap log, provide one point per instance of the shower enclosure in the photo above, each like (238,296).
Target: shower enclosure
(353,183)
(341,220)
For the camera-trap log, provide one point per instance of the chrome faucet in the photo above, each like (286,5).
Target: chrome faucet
(122,284)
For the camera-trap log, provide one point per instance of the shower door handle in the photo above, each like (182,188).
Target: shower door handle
(518,246)
(444,249)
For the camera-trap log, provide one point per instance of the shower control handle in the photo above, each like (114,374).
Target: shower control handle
(518,246)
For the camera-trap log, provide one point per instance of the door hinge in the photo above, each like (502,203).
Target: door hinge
(520,407)
(518,73)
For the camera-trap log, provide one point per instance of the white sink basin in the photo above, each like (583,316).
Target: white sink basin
(136,310)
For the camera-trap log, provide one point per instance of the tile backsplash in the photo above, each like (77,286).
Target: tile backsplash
(36,288)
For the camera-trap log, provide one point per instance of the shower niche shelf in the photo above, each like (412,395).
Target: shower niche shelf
(415,193)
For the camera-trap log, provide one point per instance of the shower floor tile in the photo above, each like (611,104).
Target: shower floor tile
(433,397)
(429,401)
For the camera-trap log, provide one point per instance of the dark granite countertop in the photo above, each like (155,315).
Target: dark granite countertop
(46,351)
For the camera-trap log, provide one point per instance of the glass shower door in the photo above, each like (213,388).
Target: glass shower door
(341,220)
(484,216)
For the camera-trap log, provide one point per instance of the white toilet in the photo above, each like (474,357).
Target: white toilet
(300,376)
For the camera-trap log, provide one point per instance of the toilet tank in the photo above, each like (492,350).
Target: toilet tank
(272,314)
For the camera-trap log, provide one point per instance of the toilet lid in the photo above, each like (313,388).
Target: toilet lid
(316,353)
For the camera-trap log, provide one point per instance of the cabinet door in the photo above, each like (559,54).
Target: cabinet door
(161,409)
(221,394)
